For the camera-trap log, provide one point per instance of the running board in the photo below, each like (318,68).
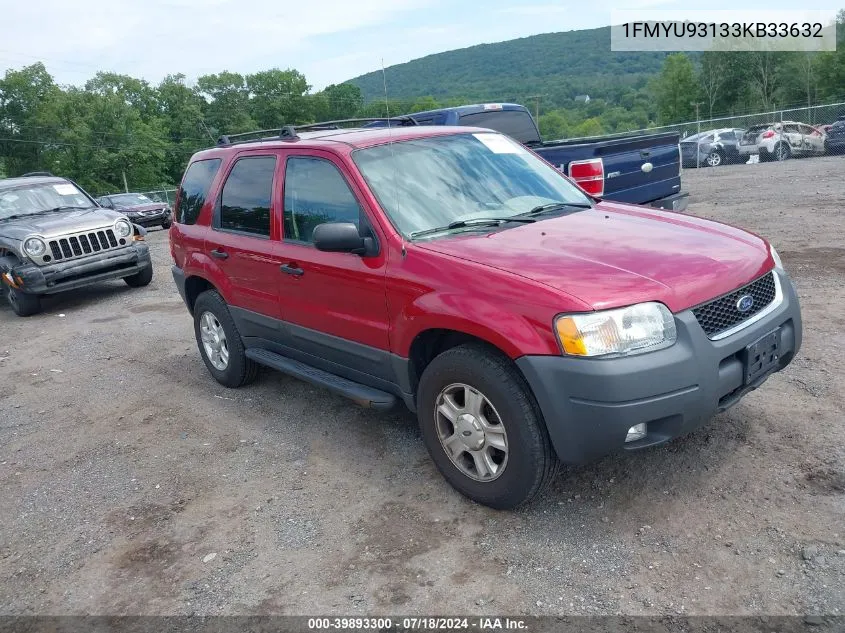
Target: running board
(361,394)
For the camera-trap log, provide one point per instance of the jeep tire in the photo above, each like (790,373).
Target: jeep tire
(141,278)
(23,303)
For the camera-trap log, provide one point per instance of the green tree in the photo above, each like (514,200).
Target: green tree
(676,89)
(136,92)
(278,97)
(337,101)
(226,102)
(424,103)
(22,95)
(182,117)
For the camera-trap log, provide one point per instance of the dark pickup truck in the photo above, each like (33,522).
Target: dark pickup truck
(642,169)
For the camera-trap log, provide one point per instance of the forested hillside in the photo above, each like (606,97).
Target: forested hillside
(557,65)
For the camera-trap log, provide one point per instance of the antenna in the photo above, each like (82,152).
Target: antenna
(210,135)
(390,145)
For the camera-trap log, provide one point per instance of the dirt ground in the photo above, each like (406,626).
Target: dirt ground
(132,483)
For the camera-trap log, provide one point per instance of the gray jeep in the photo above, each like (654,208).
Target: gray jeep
(54,237)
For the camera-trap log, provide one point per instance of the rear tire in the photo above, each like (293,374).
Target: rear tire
(141,278)
(468,451)
(23,304)
(782,151)
(220,343)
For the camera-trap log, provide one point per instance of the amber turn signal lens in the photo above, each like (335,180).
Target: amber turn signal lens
(570,337)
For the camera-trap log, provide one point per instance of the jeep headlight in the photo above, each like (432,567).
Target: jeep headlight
(644,327)
(123,228)
(776,257)
(34,247)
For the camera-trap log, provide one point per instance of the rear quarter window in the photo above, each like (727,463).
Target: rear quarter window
(194,189)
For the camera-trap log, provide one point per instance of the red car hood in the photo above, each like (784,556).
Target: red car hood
(618,254)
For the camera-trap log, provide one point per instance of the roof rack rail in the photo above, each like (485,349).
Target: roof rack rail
(289,132)
(333,125)
(36,173)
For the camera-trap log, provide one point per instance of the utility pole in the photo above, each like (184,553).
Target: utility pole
(125,184)
(536,107)
(697,105)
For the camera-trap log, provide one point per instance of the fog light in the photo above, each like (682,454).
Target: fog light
(636,432)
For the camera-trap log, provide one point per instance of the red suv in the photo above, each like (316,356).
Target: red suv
(452,269)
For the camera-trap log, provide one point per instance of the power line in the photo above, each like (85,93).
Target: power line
(89,145)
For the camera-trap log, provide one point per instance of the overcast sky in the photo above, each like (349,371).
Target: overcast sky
(328,40)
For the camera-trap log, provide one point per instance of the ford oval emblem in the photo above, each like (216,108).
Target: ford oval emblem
(647,167)
(744,303)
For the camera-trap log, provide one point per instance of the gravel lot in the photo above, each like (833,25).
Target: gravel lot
(132,483)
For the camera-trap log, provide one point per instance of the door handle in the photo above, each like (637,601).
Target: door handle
(291,269)
(218,254)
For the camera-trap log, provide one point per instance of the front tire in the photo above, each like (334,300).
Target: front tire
(483,428)
(23,304)
(220,343)
(167,224)
(141,278)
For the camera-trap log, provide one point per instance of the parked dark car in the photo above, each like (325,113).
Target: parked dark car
(712,148)
(834,142)
(139,208)
(53,237)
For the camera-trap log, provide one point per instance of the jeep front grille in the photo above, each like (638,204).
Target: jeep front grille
(82,244)
(722,314)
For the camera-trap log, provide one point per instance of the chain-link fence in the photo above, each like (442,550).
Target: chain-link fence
(167,196)
(775,135)
(162,195)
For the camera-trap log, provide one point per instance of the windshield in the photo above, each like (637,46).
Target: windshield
(432,182)
(41,197)
(130,199)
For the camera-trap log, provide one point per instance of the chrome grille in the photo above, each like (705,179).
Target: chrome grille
(721,314)
(82,244)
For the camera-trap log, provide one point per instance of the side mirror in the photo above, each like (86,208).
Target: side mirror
(342,237)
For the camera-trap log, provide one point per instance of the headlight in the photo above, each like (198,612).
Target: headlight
(776,257)
(34,247)
(644,327)
(123,228)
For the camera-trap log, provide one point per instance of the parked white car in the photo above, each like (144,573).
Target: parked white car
(779,141)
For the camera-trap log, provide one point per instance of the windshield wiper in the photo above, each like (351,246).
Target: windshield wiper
(65,208)
(15,216)
(472,222)
(554,206)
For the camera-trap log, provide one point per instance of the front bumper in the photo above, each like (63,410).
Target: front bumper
(75,273)
(675,202)
(589,404)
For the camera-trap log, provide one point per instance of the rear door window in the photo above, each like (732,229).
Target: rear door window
(194,189)
(245,202)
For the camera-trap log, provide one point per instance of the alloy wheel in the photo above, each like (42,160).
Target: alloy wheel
(471,432)
(214,341)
